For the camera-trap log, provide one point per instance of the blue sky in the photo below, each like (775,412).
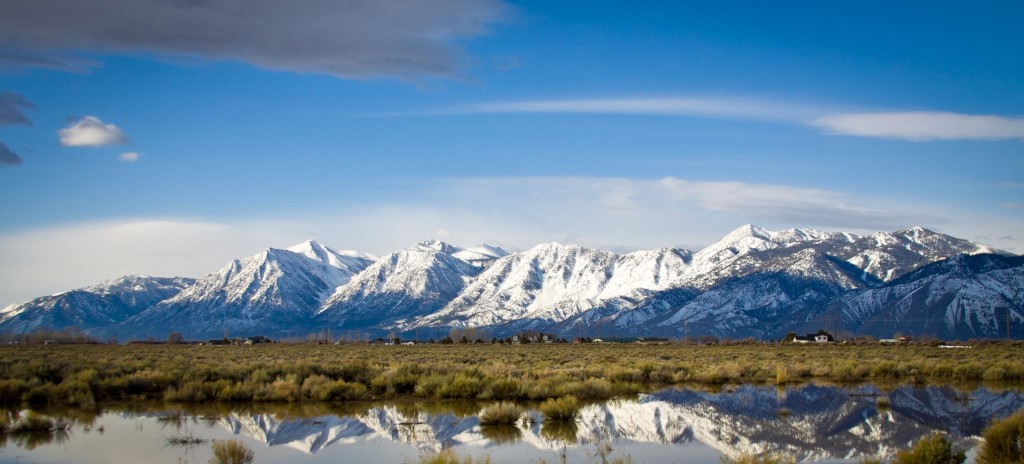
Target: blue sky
(163,138)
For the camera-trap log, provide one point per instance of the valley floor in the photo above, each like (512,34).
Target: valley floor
(83,375)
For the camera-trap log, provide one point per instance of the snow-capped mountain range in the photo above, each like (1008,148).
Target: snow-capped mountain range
(753,282)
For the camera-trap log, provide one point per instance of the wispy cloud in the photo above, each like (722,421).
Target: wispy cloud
(16,63)
(130,157)
(92,252)
(732,108)
(918,126)
(357,38)
(1008,185)
(8,157)
(913,126)
(12,108)
(90,131)
(768,202)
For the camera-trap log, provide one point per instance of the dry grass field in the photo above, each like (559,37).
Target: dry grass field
(82,375)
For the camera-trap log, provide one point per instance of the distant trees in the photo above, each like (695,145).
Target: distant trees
(175,338)
(470,333)
(70,335)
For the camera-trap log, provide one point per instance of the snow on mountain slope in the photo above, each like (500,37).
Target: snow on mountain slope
(481,255)
(889,255)
(269,293)
(403,285)
(86,308)
(964,297)
(348,262)
(753,281)
(554,283)
(548,282)
(749,239)
(786,289)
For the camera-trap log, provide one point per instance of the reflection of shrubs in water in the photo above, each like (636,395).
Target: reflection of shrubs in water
(32,430)
(561,432)
(882,403)
(501,434)
(448,456)
(933,449)
(767,458)
(604,455)
(185,441)
(175,419)
(1004,441)
(231,452)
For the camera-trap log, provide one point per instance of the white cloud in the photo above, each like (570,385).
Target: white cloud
(920,126)
(90,131)
(130,157)
(916,126)
(712,107)
(768,202)
(54,259)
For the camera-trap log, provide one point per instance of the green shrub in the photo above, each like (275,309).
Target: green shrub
(566,408)
(463,387)
(431,385)
(280,390)
(782,376)
(75,393)
(505,389)
(395,383)
(501,414)
(1004,441)
(886,369)
(12,390)
(40,394)
(933,449)
(237,392)
(191,392)
(590,389)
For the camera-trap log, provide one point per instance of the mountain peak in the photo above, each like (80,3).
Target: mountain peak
(307,245)
(750,230)
(917,233)
(436,246)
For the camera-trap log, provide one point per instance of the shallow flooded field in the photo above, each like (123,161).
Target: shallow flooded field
(811,423)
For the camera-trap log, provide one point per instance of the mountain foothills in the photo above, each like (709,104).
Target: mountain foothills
(753,282)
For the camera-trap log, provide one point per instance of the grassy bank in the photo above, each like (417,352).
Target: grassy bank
(85,374)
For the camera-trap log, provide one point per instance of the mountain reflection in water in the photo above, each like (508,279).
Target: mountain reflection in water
(810,422)
(819,422)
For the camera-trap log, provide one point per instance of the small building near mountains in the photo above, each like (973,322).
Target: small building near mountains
(820,337)
(532,336)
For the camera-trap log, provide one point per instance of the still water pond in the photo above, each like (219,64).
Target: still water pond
(812,423)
